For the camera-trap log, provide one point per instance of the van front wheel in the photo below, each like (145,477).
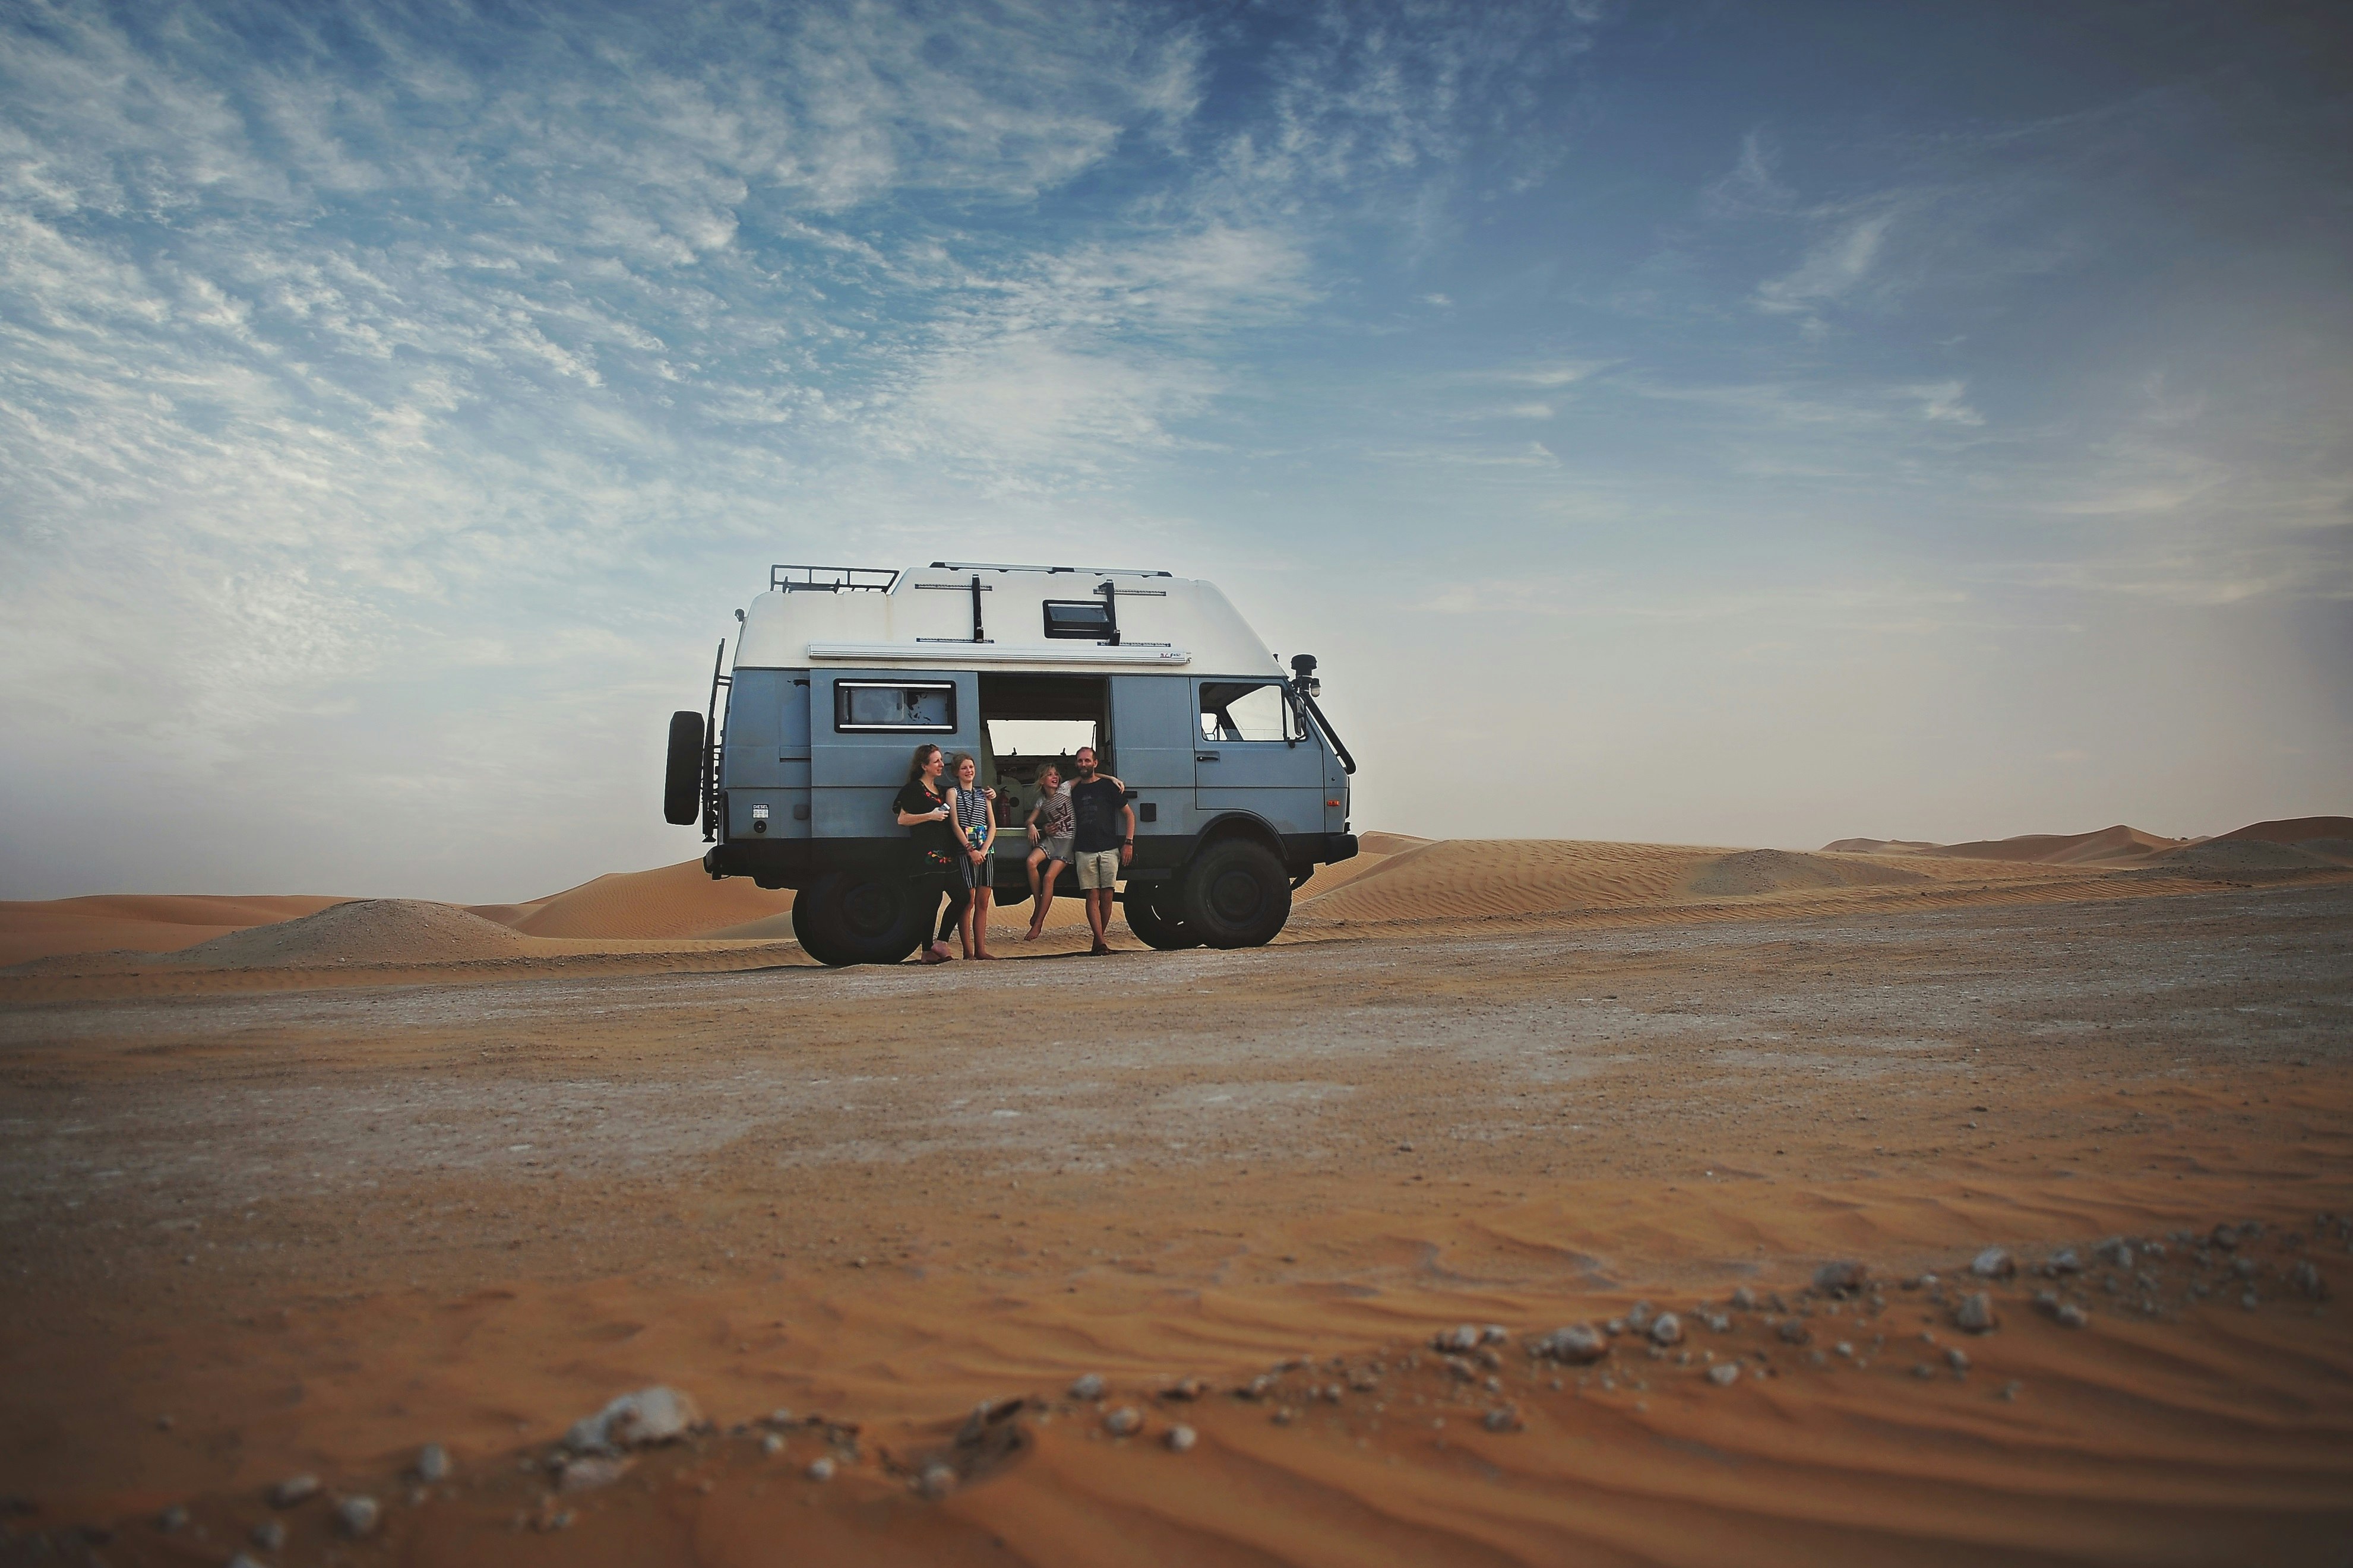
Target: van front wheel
(1236,895)
(1148,918)
(859,917)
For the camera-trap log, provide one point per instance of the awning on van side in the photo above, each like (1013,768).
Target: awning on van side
(952,651)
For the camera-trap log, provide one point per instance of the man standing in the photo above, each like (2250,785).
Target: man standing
(1105,839)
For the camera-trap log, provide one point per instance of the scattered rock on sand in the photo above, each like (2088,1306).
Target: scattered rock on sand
(433,1464)
(171,1519)
(2305,1280)
(650,1416)
(1124,1421)
(2071,1316)
(2250,1301)
(1794,1330)
(269,1535)
(1744,1297)
(819,1469)
(1958,1360)
(293,1490)
(1724,1373)
(1993,1263)
(772,1444)
(1837,1277)
(1666,1329)
(937,1480)
(1180,1439)
(1502,1418)
(590,1471)
(2064,1261)
(1578,1344)
(241,1560)
(1459,1340)
(356,1516)
(1976,1314)
(1638,1317)
(1088,1385)
(2116,1252)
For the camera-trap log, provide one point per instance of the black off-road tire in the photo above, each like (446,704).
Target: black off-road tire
(1237,894)
(862,917)
(1147,919)
(683,774)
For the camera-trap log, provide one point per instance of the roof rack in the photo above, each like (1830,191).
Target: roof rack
(831,579)
(1007,566)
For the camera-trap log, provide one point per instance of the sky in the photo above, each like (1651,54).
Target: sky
(1696,423)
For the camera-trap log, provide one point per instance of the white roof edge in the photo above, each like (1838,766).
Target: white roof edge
(1000,653)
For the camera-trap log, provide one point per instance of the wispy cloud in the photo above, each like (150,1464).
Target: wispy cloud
(1834,267)
(1750,187)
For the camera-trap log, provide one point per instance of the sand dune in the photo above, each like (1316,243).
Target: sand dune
(139,923)
(2225,856)
(668,901)
(1456,878)
(1472,879)
(1396,877)
(1386,844)
(2109,845)
(2297,829)
(1778,871)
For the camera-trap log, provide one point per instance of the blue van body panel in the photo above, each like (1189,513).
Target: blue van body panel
(1152,751)
(827,791)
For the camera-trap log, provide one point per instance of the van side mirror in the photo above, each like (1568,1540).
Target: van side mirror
(1302,673)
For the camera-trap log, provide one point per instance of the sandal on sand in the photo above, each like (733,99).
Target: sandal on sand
(1098,948)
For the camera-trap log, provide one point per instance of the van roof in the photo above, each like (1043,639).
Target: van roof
(925,618)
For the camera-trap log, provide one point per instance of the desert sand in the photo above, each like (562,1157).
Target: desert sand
(300,1194)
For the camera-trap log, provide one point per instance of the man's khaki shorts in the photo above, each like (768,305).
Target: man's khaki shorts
(1098,869)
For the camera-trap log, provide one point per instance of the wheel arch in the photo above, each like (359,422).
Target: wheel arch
(1237,824)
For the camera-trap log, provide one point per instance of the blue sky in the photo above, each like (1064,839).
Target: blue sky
(1747,425)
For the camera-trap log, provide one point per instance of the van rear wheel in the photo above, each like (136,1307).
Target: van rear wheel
(861,917)
(1147,917)
(1236,895)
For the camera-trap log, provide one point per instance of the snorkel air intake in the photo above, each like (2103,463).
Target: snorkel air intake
(1304,686)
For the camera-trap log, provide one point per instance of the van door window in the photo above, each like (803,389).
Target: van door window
(1246,710)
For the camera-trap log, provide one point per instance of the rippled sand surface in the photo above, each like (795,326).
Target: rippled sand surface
(317,1226)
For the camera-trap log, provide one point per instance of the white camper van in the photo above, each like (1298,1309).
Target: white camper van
(1240,788)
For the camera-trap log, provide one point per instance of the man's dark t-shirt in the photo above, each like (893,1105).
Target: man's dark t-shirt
(934,850)
(1095,803)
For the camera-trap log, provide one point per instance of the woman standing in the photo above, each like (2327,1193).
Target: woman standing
(924,812)
(975,826)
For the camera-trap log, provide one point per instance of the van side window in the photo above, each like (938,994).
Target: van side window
(1245,710)
(900,707)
